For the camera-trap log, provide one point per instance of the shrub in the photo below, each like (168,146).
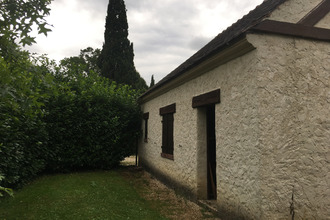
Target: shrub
(22,132)
(66,120)
(4,189)
(94,125)
(61,122)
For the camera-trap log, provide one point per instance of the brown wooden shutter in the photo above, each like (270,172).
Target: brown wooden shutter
(146,117)
(164,135)
(167,132)
(170,120)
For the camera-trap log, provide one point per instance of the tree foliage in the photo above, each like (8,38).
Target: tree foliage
(19,99)
(93,125)
(24,92)
(4,189)
(117,57)
(86,62)
(18,16)
(56,118)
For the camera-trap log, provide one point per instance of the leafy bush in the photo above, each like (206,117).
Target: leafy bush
(4,189)
(94,125)
(63,121)
(56,117)
(22,132)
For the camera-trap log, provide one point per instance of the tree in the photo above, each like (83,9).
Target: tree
(117,57)
(51,119)
(90,56)
(18,17)
(152,83)
(85,63)
(21,90)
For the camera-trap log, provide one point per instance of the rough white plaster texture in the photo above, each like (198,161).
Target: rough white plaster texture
(183,167)
(294,120)
(324,23)
(237,137)
(294,10)
(272,129)
(272,126)
(236,128)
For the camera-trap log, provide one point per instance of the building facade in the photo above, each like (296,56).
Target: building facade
(245,121)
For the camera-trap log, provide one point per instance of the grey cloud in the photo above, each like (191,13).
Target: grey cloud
(173,35)
(137,4)
(171,25)
(165,41)
(169,34)
(92,5)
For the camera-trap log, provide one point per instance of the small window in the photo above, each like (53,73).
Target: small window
(146,117)
(167,131)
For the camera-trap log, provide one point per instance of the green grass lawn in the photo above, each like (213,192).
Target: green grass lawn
(86,195)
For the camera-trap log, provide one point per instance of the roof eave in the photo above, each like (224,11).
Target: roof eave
(235,48)
(221,42)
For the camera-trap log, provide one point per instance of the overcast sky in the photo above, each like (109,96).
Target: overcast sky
(164,33)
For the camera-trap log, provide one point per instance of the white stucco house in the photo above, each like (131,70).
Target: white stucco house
(245,121)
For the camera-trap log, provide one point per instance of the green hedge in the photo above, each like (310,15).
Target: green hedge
(93,126)
(22,132)
(61,121)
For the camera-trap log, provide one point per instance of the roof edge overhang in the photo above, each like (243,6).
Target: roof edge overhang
(291,29)
(230,51)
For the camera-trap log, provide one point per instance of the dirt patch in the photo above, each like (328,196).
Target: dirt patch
(173,206)
(129,161)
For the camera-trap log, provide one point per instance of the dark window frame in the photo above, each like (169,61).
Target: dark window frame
(167,113)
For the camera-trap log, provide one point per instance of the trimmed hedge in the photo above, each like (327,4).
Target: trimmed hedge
(94,126)
(61,122)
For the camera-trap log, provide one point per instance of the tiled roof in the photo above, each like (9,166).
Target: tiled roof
(221,41)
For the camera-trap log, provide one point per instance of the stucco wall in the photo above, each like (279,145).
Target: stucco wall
(236,128)
(272,130)
(272,127)
(183,168)
(324,23)
(294,10)
(237,138)
(294,92)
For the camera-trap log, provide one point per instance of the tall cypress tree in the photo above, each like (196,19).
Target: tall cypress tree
(152,82)
(117,57)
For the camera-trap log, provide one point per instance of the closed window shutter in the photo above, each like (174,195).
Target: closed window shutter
(167,132)
(164,135)
(170,120)
(167,136)
(146,117)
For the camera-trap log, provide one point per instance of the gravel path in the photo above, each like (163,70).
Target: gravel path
(177,207)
